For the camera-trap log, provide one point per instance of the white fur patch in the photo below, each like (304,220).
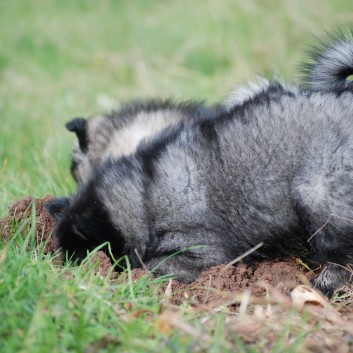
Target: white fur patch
(125,140)
(241,94)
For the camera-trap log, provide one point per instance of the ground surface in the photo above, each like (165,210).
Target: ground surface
(213,286)
(26,211)
(262,298)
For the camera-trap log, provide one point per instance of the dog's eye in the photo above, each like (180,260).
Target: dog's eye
(77,232)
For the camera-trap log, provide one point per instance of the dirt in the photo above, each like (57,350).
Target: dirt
(20,215)
(217,285)
(220,283)
(257,301)
(104,265)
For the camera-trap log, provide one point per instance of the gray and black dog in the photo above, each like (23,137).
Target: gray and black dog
(118,133)
(275,168)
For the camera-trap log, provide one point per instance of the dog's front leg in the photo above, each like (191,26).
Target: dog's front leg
(186,255)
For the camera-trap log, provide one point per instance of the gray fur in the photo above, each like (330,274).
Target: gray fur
(241,94)
(118,133)
(273,169)
(330,64)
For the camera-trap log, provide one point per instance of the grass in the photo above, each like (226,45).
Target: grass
(60,59)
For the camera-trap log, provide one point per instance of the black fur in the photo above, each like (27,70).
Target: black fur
(79,126)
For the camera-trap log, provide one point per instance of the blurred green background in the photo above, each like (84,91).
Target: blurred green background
(61,59)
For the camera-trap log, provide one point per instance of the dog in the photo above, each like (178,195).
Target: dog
(329,64)
(118,133)
(273,172)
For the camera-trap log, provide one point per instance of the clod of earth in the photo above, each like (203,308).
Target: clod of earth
(217,284)
(20,214)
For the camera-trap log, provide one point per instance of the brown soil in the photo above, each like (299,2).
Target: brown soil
(221,283)
(256,307)
(20,214)
(218,284)
(104,265)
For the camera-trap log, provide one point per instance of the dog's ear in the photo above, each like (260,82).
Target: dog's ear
(57,207)
(79,127)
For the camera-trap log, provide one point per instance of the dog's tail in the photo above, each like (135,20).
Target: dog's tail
(330,66)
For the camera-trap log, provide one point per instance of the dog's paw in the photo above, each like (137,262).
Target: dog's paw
(331,278)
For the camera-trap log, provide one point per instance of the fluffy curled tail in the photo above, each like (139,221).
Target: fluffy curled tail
(330,64)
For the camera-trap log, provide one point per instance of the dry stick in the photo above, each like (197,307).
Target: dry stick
(168,291)
(332,215)
(241,257)
(140,259)
(208,289)
(244,302)
(348,268)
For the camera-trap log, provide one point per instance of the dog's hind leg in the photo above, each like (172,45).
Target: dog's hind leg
(325,208)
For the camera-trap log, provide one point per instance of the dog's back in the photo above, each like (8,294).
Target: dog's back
(275,169)
(271,170)
(118,133)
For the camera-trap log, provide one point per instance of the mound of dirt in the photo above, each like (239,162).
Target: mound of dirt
(20,215)
(221,283)
(104,265)
(216,285)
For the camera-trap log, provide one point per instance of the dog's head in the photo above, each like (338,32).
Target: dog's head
(82,225)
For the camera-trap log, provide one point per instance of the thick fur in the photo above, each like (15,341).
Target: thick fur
(119,133)
(330,63)
(243,93)
(273,169)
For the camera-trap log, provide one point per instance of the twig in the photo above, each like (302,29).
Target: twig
(140,259)
(332,215)
(208,289)
(241,257)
